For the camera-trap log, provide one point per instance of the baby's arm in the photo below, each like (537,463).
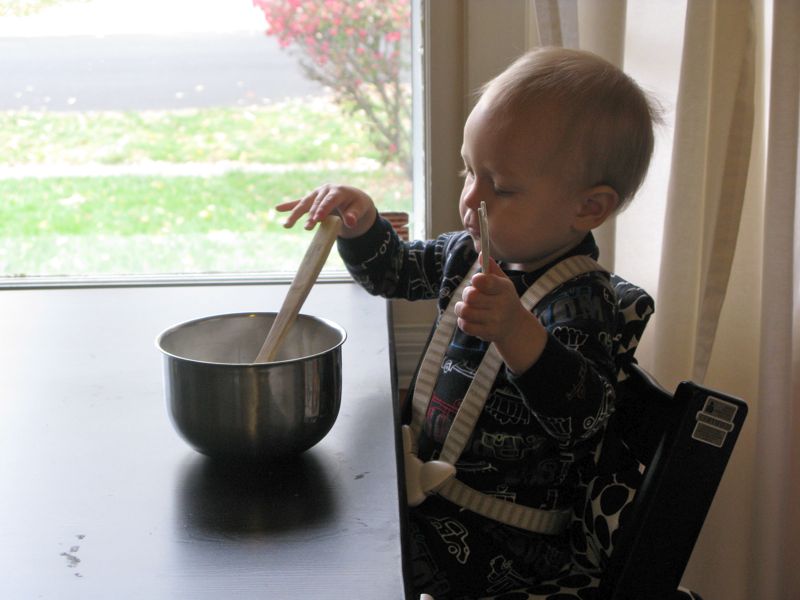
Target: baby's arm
(561,362)
(354,206)
(571,389)
(373,253)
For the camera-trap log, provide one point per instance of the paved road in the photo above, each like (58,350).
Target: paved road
(129,72)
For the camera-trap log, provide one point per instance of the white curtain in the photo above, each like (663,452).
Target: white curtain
(776,539)
(714,237)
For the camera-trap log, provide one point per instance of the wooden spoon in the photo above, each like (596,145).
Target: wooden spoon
(306,275)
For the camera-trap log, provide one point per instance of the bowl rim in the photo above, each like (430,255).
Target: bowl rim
(333,325)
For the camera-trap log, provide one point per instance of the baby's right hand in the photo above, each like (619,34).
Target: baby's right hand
(353,205)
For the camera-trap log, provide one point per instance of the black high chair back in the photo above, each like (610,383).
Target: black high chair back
(698,428)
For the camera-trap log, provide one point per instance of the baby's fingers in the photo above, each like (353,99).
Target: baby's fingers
(297,208)
(350,203)
(324,201)
(286,206)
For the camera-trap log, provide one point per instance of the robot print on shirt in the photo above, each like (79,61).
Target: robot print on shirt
(593,423)
(504,493)
(506,446)
(502,576)
(454,535)
(458,366)
(505,405)
(572,338)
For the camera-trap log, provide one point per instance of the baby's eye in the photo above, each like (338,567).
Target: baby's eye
(502,192)
(465,173)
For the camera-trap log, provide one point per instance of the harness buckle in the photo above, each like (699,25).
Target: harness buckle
(422,478)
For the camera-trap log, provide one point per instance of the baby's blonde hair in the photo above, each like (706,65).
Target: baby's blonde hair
(603,119)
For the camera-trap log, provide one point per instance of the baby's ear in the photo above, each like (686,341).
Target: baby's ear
(595,205)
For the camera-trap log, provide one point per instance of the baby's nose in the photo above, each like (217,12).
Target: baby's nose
(472,196)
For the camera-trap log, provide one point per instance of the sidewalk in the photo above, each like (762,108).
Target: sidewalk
(114,17)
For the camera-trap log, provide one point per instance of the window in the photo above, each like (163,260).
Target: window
(149,138)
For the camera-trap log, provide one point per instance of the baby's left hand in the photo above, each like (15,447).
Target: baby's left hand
(489,306)
(491,310)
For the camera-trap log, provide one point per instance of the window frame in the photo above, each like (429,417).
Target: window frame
(449,61)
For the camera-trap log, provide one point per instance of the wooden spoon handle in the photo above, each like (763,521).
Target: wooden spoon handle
(307,274)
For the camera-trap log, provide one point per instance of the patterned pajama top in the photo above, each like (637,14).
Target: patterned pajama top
(537,428)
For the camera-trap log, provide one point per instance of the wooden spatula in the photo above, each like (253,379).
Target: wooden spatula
(306,276)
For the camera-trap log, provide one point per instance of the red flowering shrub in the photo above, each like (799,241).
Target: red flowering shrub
(359,50)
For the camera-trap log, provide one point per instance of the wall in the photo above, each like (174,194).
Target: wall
(466,43)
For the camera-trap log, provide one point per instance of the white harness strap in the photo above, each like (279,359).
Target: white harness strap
(438,476)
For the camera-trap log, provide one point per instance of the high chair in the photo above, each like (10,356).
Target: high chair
(634,532)
(658,470)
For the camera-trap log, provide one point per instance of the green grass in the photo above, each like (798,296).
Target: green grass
(217,252)
(237,202)
(301,130)
(21,8)
(149,224)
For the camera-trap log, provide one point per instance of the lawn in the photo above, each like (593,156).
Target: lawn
(298,131)
(160,205)
(21,8)
(154,221)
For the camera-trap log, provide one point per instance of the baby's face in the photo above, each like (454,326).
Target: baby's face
(532,214)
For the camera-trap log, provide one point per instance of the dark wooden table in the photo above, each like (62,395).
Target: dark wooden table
(100,498)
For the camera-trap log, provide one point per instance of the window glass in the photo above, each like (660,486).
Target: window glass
(155,137)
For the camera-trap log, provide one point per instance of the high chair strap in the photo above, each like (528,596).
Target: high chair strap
(551,522)
(474,400)
(432,360)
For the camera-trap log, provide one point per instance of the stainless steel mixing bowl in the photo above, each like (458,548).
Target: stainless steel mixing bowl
(225,406)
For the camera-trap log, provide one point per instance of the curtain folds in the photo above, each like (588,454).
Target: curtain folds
(710,158)
(778,408)
(601,29)
(728,303)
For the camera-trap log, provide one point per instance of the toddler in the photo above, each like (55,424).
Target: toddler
(518,379)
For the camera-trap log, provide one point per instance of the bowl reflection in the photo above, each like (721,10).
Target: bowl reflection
(217,499)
